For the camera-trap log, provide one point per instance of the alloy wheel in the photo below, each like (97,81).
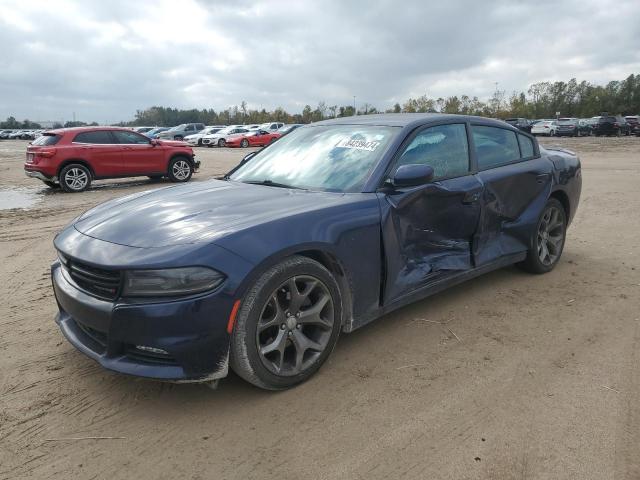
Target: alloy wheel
(181,169)
(550,236)
(295,325)
(76,179)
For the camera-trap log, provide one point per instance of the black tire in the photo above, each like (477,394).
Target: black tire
(50,184)
(178,138)
(75,178)
(269,296)
(222,142)
(534,262)
(244,143)
(180,169)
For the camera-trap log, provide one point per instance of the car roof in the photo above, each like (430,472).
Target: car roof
(62,131)
(409,120)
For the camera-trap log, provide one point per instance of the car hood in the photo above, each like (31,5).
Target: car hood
(195,213)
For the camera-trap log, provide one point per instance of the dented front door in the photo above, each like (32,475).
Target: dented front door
(428,232)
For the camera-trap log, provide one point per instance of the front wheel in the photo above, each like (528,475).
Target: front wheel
(288,324)
(548,239)
(244,143)
(221,142)
(75,178)
(180,169)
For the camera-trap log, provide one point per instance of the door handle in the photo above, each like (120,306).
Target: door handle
(542,177)
(470,197)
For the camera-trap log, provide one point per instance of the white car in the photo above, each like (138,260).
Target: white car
(196,138)
(218,138)
(271,126)
(546,127)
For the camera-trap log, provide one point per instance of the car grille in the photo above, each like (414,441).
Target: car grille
(98,282)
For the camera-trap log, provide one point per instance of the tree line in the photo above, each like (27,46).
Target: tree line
(541,100)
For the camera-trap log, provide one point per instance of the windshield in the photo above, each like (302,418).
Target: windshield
(336,158)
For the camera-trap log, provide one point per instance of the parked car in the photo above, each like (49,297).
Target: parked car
(271,126)
(219,138)
(142,129)
(329,228)
(180,131)
(153,133)
(253,138)
(16,134)
(611,125)
(196,138)
(520,123)
(5,133)
(632,121)
(74,157)
(573,127)
(284,130)
(545,127)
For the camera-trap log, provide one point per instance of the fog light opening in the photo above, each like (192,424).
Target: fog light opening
(157,351)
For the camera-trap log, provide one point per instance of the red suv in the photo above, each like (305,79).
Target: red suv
(73,157)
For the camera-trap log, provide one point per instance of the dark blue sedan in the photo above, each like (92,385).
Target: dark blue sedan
(323,231)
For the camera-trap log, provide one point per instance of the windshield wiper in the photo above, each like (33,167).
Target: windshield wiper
(270,183)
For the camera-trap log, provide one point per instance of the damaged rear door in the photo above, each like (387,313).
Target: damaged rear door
(428,230)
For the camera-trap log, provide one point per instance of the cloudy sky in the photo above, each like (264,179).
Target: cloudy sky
(104,60)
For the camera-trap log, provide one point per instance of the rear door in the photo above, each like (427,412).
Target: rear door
(516,185)
(101,150)
(428,230)
(139,155)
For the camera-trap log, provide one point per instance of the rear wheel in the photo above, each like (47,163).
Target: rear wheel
(287,325)
(180,169)
(178,137)
(222,142)
(548,239)
(75,178)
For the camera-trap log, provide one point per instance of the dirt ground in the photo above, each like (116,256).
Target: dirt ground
(508,376)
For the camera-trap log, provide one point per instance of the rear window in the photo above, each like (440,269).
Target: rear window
(495,146)
(47,139)
(606,119)
(526,146)
(99,137)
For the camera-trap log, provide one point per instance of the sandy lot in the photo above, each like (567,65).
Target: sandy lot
(507,376)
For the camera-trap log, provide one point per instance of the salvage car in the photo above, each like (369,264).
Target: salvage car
(73,157)
(329,228)
(255,138)
(545,127)
(219,138)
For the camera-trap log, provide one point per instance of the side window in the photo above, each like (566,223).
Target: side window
(443,147)
(130,138)
(526,146)
(494,146)
(190,128)
(97,137)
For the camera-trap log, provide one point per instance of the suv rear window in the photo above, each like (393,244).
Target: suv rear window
(606,119)
(47,139)
(99,137)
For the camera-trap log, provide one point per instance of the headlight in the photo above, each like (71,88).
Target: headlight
(171,281)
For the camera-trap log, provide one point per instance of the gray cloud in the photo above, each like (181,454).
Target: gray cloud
(104,60)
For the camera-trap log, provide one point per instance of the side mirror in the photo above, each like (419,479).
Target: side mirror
(412,175)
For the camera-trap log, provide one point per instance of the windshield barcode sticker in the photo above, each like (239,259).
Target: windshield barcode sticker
(357,144)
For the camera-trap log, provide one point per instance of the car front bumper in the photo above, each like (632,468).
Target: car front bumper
(182,340)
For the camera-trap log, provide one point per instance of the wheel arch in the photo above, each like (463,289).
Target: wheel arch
(563,198)
(78,161)
(180,155)
(322,254)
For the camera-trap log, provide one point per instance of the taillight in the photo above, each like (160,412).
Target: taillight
(46,153)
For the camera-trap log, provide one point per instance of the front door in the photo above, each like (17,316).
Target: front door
(428,230)
(139,156)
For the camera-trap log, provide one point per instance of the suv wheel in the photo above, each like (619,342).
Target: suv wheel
(75,178)
(180,169)
(178,138)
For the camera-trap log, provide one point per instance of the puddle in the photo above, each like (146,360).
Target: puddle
(18,198)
